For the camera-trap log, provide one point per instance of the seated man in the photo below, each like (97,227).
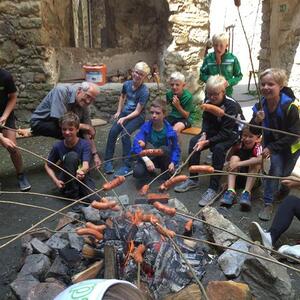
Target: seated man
(73,154)
(156,133)
(61,99)
(218,134)
(8,100)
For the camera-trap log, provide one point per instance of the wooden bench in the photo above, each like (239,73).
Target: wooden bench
(191,131)
(27,132)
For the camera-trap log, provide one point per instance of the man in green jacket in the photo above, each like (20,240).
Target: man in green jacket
(221,62)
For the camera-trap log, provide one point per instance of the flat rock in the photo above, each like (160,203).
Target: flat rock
(58,269)
(91,214)
(228,290)
(39,247)
(45,291)
(37,265)
(221,237)
(23,284)
(56,242)
(76,241)
(174,202)
(266,279)
(231,262)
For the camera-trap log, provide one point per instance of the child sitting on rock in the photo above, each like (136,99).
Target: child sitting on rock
(156,133)
(245,157)
(73,154)
(181,100)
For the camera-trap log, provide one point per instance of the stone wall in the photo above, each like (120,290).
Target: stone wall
(45,41)
(280,38)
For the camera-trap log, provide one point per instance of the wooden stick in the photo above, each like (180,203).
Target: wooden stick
(138,275)
(241,251)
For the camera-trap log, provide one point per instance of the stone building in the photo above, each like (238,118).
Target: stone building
(280,38)
(43,42)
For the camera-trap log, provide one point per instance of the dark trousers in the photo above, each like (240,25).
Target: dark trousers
(218,158)
(117,129)
(287,210)
(162,162)
(73,188)
(49,127)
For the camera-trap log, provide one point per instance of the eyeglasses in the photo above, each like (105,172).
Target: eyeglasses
(139,73)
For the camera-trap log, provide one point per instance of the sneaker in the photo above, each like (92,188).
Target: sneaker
(258,234)
(290,250)
(207,197)
(245,201)
(266,213)
(23,183)
(108,168)
(123,171)
(185,186)
(228,198)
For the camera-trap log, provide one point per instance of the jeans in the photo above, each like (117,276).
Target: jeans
(162,162)
(49,127)
(73,188)
(117,129)
(282,164)
(287,210)
(219,151)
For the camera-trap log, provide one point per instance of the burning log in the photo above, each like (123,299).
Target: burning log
(89,273)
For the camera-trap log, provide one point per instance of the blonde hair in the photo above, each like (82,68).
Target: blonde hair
(220,38)
(177,76)
(279,75)
(142,66)
(216,82)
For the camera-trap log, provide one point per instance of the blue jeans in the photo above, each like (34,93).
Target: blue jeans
(282,164)
(117,129)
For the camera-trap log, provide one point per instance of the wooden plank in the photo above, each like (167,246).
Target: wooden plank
(192,131)
(89,273)
(110,271)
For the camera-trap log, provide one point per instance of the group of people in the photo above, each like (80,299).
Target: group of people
(64,114)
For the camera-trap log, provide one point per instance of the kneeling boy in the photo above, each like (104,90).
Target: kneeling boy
(73,154)
(245,158)
(156,133)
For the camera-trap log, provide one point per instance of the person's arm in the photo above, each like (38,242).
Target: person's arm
(122,99)
(245,163)
(291,183)
(176,102)
(204,70)
(236,73)
(12,100)
(49,170)
(134,114)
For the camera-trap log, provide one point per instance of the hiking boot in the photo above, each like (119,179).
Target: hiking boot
(258,234)
(290,250)
(23,183)
(228,198)
(266,213)
(207,197)
(123,171)
(108,168)
(185,186)
(245,201)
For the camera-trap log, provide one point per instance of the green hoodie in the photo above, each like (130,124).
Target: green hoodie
(229,68)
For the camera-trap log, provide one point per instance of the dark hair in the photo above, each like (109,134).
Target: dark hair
(70,119)
(162,104)
(253,130)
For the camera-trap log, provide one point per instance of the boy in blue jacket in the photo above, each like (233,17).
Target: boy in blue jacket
(156,133)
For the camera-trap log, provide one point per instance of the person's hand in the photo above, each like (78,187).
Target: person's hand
(80,174)
(116,116)
(90,130)
(218,58)
(176,101)
(266,153)
(171,167)
(233,165)
(60,184)
(291,183)
(150,166)
(121,121)
(2,120)
(7,143)
(200,144)
(260,116)
(97,160)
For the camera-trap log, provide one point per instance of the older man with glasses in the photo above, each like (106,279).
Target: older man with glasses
(61,99)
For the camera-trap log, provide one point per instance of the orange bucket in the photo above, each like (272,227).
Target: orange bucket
(95,73)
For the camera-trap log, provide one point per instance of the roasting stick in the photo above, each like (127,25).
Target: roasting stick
(184,258)
(47,218)
(244,252)
(183,164)
(138,275)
